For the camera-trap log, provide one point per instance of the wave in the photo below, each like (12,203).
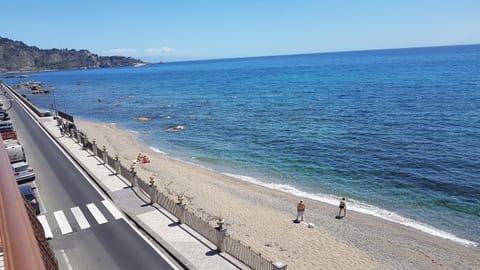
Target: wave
(156,150)
(132,131)
(361,208)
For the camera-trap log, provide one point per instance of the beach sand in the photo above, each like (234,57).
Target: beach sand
(262,217)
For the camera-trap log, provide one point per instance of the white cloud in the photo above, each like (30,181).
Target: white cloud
(139,53)
(121,51)
(157,51)
(148,54)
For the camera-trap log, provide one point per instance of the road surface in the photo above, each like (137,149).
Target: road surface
(85,233)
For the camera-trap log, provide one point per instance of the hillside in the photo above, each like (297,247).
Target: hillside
(17,56)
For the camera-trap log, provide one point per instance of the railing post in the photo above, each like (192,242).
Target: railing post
(84,142)
(133,175)
(221,234)
(80,139)
(279,266)
(71,133)
(77,136)
(94,147)
(152,189)
(117,165)
(105,155)
(181,209)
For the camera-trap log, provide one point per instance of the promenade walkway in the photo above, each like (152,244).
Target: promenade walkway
(190,248)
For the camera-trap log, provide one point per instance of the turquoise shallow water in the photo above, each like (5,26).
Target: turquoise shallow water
(395,131)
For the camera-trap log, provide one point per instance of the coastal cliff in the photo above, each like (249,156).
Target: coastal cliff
(17,56)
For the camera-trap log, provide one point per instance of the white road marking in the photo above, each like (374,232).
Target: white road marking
(96,213)
(43,209)
(45,128)
(113,210)
(62,222)
(80,217)
(67,261)
(46,227)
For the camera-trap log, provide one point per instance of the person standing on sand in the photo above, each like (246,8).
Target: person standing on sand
(343,207)
(300,211)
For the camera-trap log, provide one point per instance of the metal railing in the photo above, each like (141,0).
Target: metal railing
(235,248)
(201,226)
(247,255)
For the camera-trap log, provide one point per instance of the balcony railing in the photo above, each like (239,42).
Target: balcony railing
(23,242)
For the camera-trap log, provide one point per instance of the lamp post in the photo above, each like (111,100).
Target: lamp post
(55,116)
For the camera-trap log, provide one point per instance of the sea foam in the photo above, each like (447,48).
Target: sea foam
(361,208)
(156,150)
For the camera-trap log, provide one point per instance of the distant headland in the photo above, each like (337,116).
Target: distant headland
(16,56)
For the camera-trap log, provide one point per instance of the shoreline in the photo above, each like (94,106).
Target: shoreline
(330,199)
(369,241)
(365,209)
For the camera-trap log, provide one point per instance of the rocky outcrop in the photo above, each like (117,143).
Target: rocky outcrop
(35,87)
(17,56)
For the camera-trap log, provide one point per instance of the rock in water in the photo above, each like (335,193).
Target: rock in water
(143,119)
(177,128)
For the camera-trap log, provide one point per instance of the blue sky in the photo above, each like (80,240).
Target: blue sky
(156,30)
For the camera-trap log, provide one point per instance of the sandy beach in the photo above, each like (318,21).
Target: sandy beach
(262,217)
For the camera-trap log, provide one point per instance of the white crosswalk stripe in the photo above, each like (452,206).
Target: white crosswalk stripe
(65,225)
(113,210)
(62,222)
(96,213)
(80,217)
(46,227)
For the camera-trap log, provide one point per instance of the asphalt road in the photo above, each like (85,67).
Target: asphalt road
(61,186)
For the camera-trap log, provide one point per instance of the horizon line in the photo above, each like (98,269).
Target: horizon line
(307,53)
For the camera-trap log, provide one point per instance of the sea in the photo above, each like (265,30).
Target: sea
(396,132)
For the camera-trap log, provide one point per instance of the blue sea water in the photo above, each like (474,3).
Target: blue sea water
(397,132)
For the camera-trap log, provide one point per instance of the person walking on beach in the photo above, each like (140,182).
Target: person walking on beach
(300,211)
(343,207)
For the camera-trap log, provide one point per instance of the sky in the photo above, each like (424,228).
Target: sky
(175,30)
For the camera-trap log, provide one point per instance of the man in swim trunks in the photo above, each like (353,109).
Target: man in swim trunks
(343,207)
(300,211)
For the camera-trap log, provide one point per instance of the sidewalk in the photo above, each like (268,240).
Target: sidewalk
(190,248)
